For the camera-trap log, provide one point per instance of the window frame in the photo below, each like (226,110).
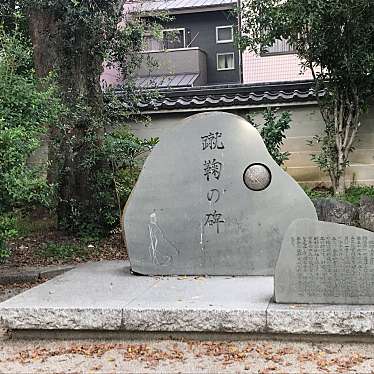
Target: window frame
(224,54)
(227,40)
(175,29)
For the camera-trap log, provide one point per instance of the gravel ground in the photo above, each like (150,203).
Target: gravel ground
(178,356)
(169,356)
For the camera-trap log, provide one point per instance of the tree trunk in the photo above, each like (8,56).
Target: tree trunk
(79,135)
(82,138)
(339,185)
(43,29)
(342,122)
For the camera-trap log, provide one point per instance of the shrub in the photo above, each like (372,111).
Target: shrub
(27,106)
(112,184)
(25,112)
(7,231)
(5,252)
(273,131)
(124,150)
(63,251)
(352,195)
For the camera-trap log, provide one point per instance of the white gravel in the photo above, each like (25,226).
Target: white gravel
(171,356)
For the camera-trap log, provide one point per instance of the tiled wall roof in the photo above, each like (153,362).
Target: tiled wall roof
(230,96)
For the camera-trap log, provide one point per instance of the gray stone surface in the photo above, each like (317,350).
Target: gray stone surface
(11,275)
(191,212)
(325,263)
(366,213)
(336,211)
(195,320)
(202,304)
(90,296)
(320,319)
(105,296)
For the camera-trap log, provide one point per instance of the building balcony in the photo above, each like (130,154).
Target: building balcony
(184,67)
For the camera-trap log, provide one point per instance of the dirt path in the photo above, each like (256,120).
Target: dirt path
(168,356)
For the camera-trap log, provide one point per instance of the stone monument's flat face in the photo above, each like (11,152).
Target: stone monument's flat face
(211,200)
(325,263)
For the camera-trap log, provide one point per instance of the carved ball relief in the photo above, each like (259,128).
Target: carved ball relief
(257,177)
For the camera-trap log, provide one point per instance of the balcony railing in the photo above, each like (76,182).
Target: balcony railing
(175,64)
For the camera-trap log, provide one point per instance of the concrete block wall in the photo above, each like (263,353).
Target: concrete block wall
(307,122)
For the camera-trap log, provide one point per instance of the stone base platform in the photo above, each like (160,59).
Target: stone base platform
(107,297)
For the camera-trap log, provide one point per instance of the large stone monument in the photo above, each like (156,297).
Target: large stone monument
(211,200)
(325,263)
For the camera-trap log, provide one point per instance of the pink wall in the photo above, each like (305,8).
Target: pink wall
(257,69)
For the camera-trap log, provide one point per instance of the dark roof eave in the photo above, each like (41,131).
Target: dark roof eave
(197,9)
(232,96)
(238,88)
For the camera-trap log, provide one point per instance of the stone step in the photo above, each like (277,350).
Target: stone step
(107,297)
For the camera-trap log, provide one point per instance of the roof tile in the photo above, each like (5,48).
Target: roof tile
(228,95)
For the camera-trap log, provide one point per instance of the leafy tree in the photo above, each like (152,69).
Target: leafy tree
(123,150)
(335,39)
(272,131)
(25,112)
(74,38)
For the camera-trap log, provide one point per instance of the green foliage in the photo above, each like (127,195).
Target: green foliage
(25,110)
(111,184)
(272,131)
(123,148)
(336,36)
(125,181)
(8,226)
(335,39)
(20,223)
(353,194)
(86,36)
(5,252)
(27,106)
(124,151)
(76,38)
(325,158)
(63,251)
(317,193)
(7,231)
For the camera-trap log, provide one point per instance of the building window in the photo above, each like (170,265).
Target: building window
(224,34)
(225,61)
(280,47)
(174,38)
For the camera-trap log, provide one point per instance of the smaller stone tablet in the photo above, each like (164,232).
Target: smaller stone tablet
(325,263)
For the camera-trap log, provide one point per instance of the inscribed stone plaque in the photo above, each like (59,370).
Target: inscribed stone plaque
(191,211)
(325,263)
